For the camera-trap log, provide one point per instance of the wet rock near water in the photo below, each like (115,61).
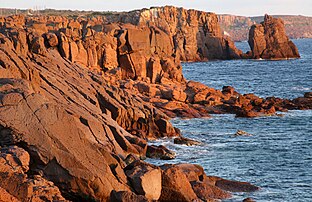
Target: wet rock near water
(242,133)
(160,152)
(249,200)
(186,141)
(235,186)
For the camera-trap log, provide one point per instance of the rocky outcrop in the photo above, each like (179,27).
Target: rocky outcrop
(268,40)
(140,52)
(17,185)
(195,34)
(63,115)
(237,27)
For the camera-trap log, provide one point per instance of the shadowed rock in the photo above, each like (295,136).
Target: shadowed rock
(160,152)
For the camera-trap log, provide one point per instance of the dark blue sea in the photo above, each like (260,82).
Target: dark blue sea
(278,157)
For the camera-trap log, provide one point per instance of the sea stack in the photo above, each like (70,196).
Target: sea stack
(268,40)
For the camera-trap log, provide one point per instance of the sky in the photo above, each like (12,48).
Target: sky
(235,7)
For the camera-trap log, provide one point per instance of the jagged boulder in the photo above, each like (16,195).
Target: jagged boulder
(175,185)
(145,179)
(268,40)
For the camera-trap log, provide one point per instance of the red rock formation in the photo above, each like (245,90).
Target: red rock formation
(268,40)
(64,113)
(17,185)
(72,117)
(195,34)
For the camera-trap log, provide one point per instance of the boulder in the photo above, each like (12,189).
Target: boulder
(165,127)
(193,172)
(242,133)
(228,90)
(36,44)
(179,95)
(268,40)
(249,200)
(141,175)
(51,39)
(207,192)
(175,185)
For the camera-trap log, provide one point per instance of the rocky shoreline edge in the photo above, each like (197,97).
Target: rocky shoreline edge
(81,97)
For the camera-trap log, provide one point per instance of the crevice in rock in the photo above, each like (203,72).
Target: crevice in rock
(105,105)
(86,123)
(85,96)
(119,139)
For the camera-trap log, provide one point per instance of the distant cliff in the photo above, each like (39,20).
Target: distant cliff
(196,35)
(237,26)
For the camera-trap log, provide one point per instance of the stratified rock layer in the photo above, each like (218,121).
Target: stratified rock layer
(268,40)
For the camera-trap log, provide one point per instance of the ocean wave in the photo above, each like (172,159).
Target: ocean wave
(300,88)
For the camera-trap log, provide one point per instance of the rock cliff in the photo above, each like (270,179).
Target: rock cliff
(196,35)
(268,40)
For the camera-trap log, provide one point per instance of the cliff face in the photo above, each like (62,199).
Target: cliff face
(238,26)
(195,34)
(73,122)
(268,40)
(140,52)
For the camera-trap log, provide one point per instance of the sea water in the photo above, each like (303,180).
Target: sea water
(278,157)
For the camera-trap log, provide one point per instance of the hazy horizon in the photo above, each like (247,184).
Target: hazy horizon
(242,7)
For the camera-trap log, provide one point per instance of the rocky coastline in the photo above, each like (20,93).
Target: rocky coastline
(80,98)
